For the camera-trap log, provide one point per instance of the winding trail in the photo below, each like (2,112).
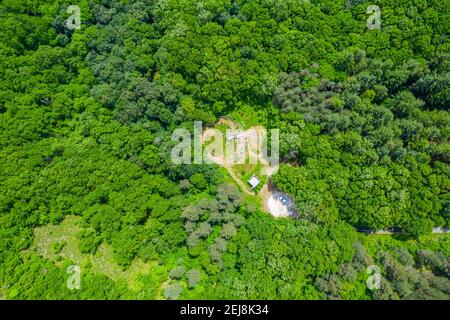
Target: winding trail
(222,161)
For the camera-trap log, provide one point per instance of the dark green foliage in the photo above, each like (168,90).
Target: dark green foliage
(87,116)
(402,279)
(57,246)
(89,241)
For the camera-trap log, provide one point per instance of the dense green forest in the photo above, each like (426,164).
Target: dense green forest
(86,176)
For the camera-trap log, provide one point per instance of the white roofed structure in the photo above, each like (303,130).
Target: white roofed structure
(254,182)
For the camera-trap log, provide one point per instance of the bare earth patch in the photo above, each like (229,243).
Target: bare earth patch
(278,204)
(248,148)
(273,205)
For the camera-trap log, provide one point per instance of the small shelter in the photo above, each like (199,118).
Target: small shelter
(254,182)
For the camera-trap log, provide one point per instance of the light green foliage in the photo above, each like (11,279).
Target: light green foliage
(86,122)
(57,246)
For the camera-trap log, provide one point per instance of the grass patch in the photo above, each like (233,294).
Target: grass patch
(435,242)
(249,116)
(246,171)
(58,243)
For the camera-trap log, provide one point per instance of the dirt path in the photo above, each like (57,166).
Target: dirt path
(222,161)
(233,125)
(238,181)
(265,195)
(272,204)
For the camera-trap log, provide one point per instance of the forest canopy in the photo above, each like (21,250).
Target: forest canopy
(86,176)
